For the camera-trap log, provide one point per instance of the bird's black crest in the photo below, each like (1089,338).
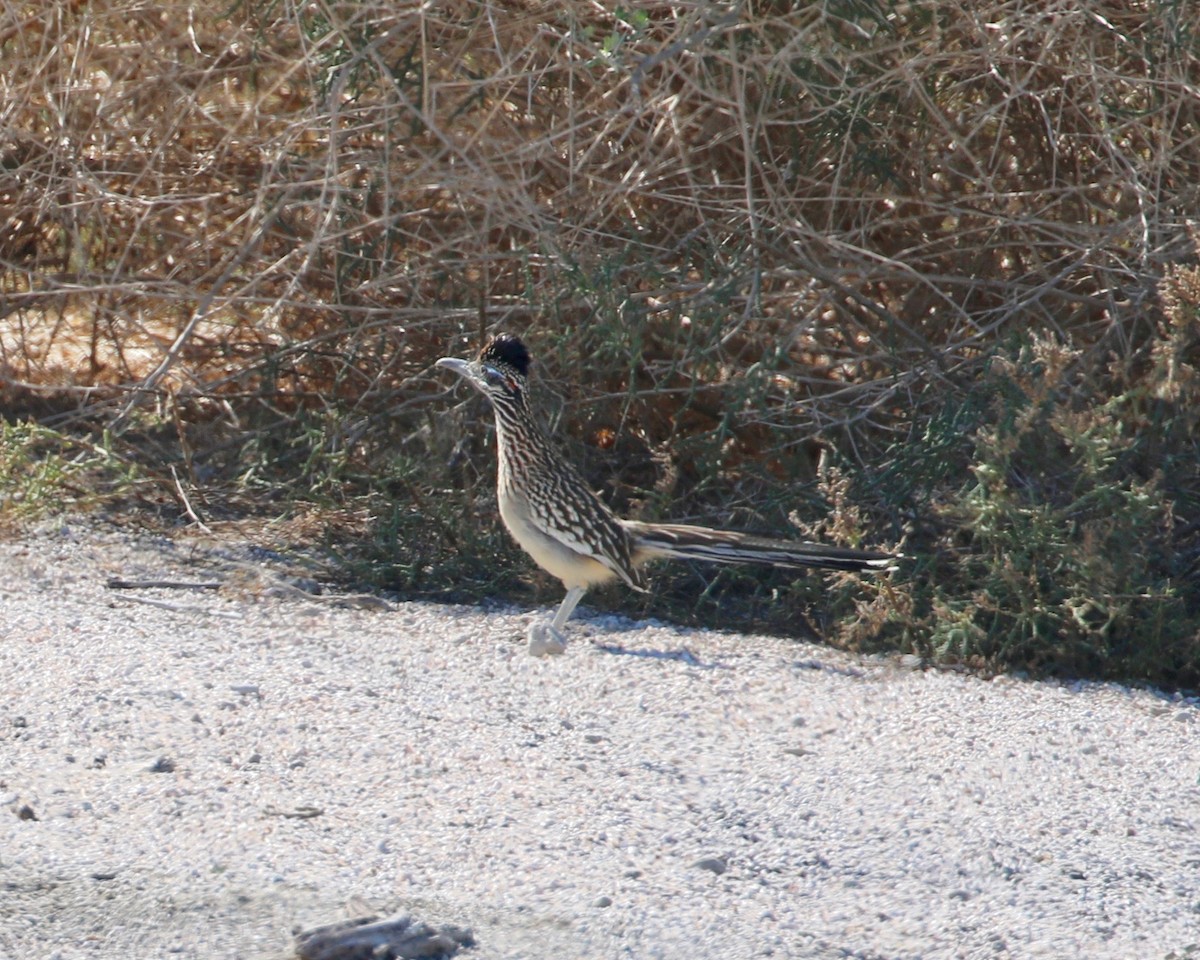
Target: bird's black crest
(507,349)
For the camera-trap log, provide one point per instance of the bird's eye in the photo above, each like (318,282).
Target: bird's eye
(494,376)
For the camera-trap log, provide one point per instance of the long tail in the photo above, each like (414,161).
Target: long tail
(653,540)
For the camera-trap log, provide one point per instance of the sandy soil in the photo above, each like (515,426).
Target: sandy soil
(200,772)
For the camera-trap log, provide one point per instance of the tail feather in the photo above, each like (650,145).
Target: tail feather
(653,540)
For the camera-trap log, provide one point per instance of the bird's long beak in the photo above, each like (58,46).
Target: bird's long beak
(466,369)
(461,367)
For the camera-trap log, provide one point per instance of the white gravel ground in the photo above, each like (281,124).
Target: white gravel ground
(581,806)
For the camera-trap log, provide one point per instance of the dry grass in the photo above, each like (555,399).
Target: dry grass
(235,237)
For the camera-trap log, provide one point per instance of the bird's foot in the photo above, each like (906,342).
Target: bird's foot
(545,641)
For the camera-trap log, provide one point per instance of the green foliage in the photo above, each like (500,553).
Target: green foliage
(1065,547)
(44,472)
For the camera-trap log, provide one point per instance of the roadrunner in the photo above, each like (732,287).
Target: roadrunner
(557,519)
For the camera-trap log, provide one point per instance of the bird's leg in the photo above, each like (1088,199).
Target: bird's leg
(567,607)
(546,639)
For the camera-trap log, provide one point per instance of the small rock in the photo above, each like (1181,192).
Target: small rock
(715,865)
(396,938)
(601,902)
(162,765)
(25,812)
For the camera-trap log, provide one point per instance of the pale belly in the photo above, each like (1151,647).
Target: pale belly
(574,569)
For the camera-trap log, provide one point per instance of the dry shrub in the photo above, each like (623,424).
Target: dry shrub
(734,233)
(872,184)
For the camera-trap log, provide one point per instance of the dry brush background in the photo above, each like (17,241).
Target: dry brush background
(879,272)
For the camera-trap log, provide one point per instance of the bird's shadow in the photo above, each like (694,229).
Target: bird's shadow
(683,655)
